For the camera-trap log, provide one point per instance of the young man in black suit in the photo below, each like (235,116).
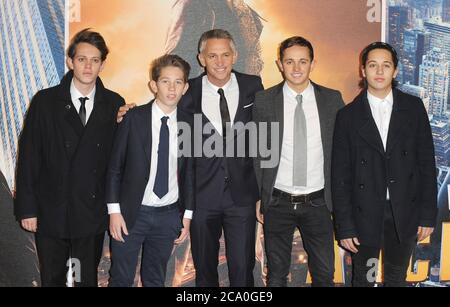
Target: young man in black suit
(149,182)
(63,154)
(383,172)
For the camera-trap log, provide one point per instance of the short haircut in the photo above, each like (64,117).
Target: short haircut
(379,45)
(295,41)
(89,37)
(169,60)
(217,34)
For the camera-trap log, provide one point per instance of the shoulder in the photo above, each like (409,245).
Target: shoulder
(113,97)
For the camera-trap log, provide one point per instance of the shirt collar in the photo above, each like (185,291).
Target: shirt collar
(76,94)
(160,113)
(225,87)
(374,101)
(306,92)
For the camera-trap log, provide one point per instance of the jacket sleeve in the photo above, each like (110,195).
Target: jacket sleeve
(341,181)
(117,161)
(29,162)
(427,170)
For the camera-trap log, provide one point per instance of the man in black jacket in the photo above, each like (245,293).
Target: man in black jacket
(63,154)
(383,172)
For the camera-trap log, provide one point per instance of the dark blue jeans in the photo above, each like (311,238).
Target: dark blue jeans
(155,230)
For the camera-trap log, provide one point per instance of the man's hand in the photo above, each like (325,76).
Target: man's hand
(30,224)
(423,233)
(259,215)
(350,244)
(184,232)
(123,110)
(116,226)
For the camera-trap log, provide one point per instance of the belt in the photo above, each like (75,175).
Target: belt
(297,199)
(161,209)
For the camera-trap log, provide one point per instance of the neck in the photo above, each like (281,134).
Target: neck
(84,89)
(218,83)
(379,93)
(300,88)
(167,110)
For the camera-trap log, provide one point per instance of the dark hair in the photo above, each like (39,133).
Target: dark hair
(169,60)
(379,45)
(295,41)
(365,56)
(89,37)
(218,34)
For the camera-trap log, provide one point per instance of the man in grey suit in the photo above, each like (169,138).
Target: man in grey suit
(295,193)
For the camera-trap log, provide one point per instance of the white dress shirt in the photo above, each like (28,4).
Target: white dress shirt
(381,112)
(150,198)
(211,101)
(89,104)
(315,160)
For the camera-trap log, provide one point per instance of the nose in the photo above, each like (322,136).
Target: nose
(380,70)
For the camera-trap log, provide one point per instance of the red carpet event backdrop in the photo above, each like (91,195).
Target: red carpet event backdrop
(138,31)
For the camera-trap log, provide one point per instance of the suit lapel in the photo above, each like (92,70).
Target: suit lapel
(399,119)
(325,118)
(144,122)
(242,100)
(367,128)
(279,117)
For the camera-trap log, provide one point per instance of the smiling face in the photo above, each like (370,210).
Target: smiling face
(86,65)
(296,66)
(218,58)
(379,71)
(169,88)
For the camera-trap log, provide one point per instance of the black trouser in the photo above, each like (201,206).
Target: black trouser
(54,253)
(239,226)
(396,256)
(314,222)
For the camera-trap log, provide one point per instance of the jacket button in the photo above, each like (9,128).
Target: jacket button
(361,186)
(363,162)
(94,171)
(93,196)
(98,145)
(405,153)
(392,181)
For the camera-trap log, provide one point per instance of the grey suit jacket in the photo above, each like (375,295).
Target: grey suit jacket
(269,107)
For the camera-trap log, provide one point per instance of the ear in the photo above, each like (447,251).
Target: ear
(153,87)
(69,63)
(313,65)
(235,57)
(363,72)
(396,73)
(102,66)
(280,65)
(201,59)
(186,87)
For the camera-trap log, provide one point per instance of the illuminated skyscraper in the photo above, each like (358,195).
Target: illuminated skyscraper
(31,58)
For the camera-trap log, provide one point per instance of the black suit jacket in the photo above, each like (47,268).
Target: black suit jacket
(362,170)
(62,165)
(209,177)
(129,168)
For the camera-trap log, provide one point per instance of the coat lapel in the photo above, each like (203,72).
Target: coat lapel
(367,128)
(399,120)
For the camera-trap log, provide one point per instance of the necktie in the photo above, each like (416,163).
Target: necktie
(161,186)
(300,145)
(82,111)
(225,115)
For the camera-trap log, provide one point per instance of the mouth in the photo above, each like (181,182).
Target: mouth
(220,70)
(297,75)
(379,80)
(171,97)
